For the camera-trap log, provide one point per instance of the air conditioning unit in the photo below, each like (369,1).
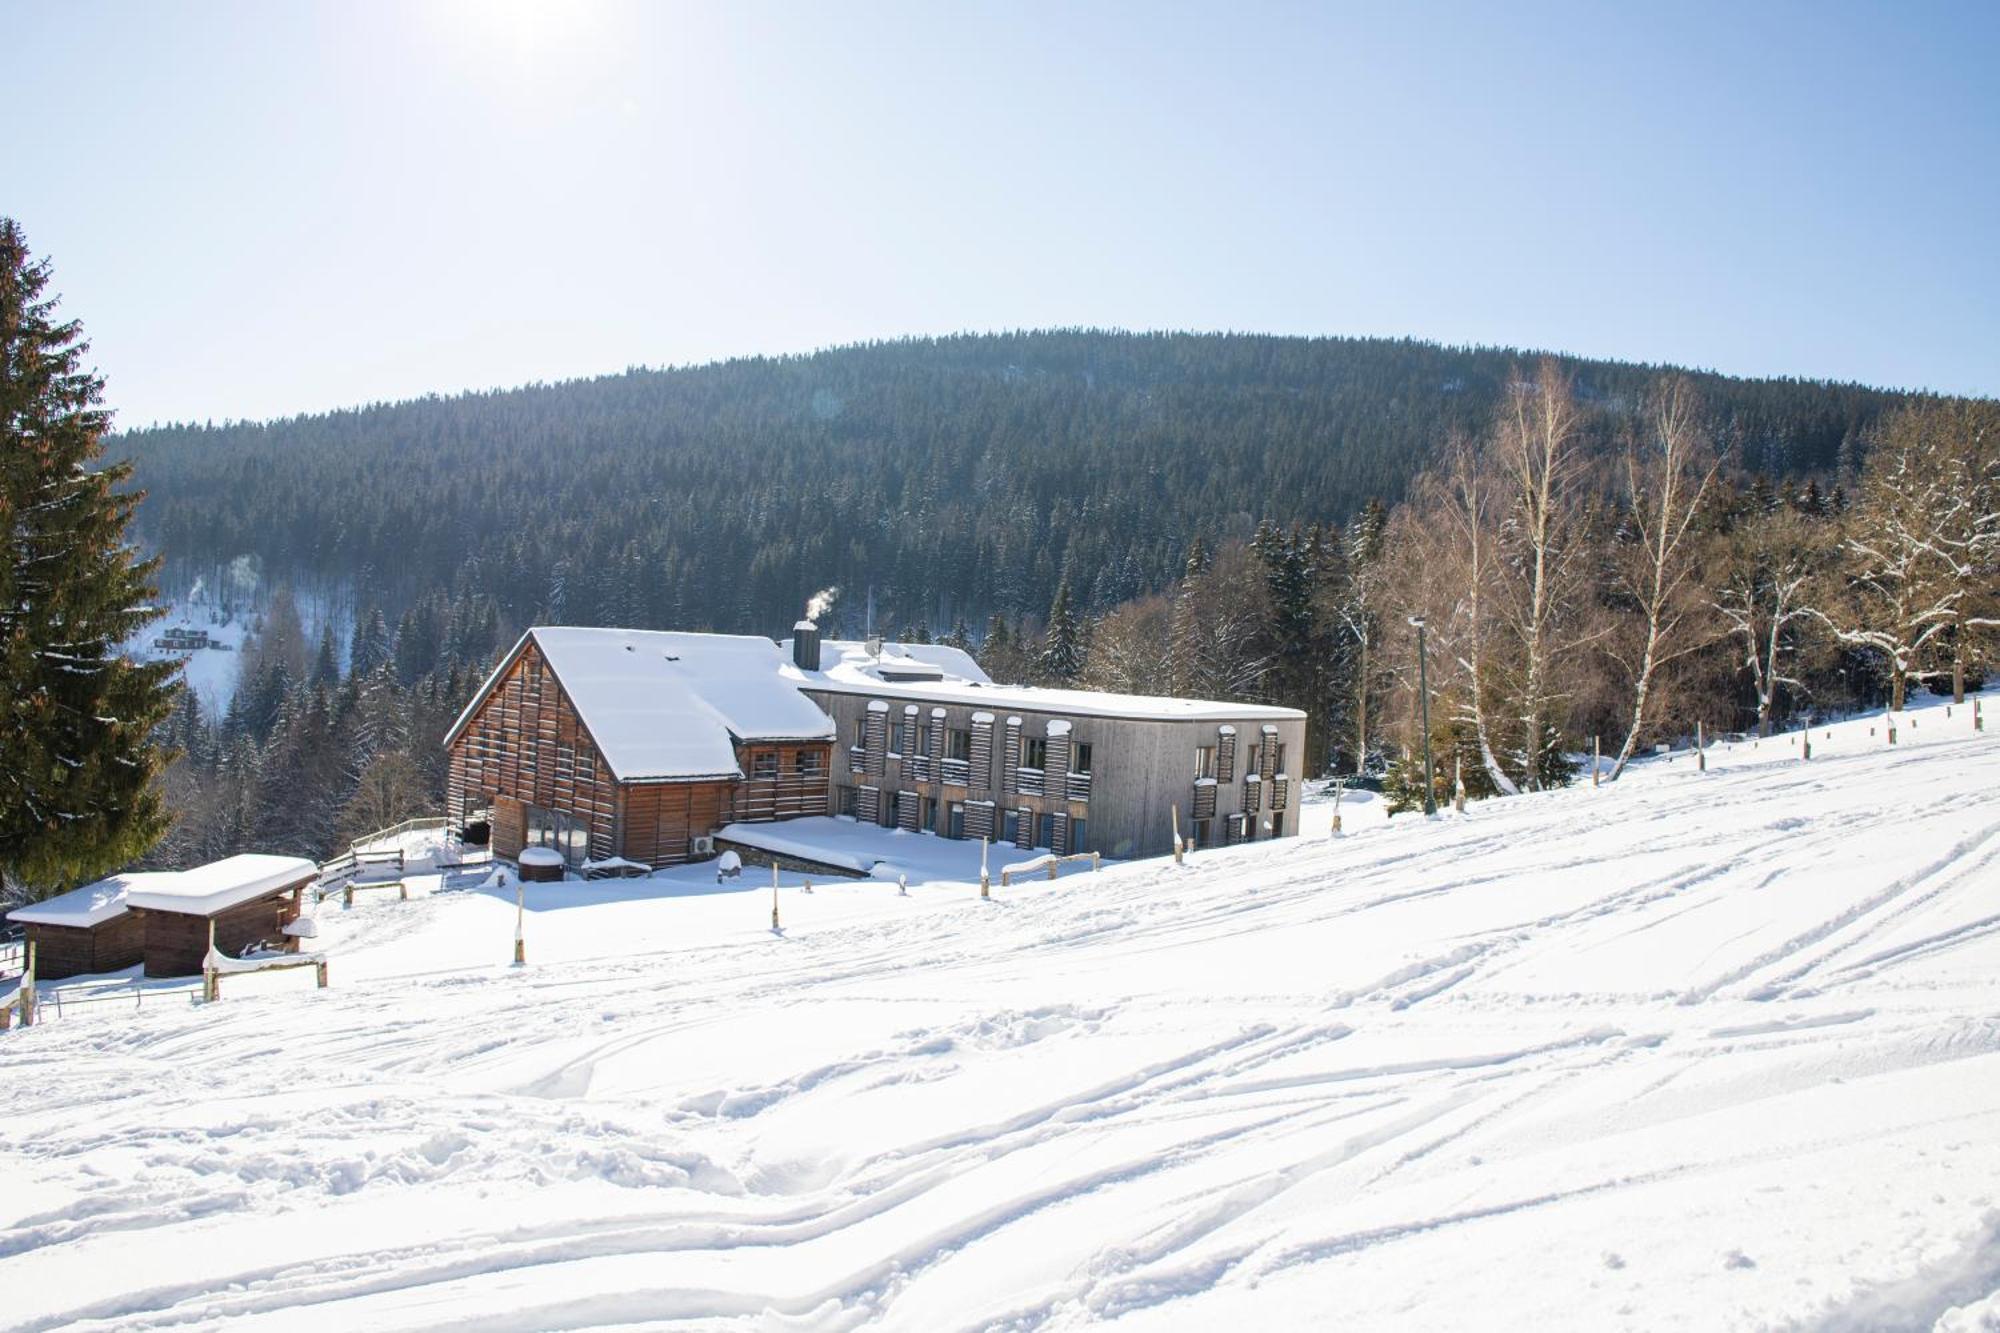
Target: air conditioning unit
(704,846)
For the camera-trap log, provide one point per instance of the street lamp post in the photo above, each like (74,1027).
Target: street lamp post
(1424,704)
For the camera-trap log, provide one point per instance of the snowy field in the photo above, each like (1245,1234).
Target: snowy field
(1698,1051)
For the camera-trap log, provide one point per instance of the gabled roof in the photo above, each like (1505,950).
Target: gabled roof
(664,706)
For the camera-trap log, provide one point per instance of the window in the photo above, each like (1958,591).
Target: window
(764,766)
(1080,758)
(927,814)
(1034,753)
(848,803)
(1254,764)
(1079,835)
(808,763)
(1278,756)
(1204,761)
(1199,834)
(958,744)
(861,733)
(1010,830)
(565,833)
(1045,830)
(923,739)
(954,815)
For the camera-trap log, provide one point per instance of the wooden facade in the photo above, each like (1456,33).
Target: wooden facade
(176,942)
(526,748)
(71,951)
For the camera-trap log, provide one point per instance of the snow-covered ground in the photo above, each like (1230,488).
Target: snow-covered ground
(1698,1050)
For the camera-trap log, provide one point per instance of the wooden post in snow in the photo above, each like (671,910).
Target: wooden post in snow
(985,879)
(1805,743)
(1177,833)
(1978,722)
(1700,748)
(1458,783)
(1891,719)
(28,988)
(520,922)
(774,893)
(1596,757)
(211,980)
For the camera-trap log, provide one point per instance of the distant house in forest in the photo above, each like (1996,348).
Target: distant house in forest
(641,744)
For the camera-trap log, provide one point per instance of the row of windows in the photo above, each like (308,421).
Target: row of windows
(1204,759)
(764,765)
(1041,826)
(911,738)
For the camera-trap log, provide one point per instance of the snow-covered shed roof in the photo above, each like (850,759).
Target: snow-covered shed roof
(936,674)
(91,905)
(221,885)
(665,705)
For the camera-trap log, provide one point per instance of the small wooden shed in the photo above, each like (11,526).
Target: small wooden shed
(86,930)
(161,919)
(249,899)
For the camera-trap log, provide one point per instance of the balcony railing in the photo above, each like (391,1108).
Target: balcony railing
(919,768)
(1079,786)
(1204,798)
(1028,781)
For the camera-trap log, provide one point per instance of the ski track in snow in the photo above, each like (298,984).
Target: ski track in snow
(1715,1050)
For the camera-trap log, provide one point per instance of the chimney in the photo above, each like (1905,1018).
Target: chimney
(805,646)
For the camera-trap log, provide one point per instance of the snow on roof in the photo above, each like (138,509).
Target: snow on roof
(91,905)
(935,673)
(666,705)
(220,885)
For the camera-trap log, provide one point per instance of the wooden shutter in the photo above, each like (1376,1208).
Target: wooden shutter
(1225,755)
(982,752)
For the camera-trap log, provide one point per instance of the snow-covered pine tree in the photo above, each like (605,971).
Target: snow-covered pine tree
(1062,641)
(371,646)
(77,750)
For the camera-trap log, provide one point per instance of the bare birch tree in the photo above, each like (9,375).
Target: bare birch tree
(1447,545)
(1539,457)
(1763,599)
(1669,469)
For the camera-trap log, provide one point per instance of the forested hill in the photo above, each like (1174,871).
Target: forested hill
(958,476)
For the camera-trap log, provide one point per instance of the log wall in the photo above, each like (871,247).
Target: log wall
(527,746)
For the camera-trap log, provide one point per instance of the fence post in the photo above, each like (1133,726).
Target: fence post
(1700,748)
(985,880)
(28,988)
(1458,782)
(774,893)
(520,923)
(211,980)
(1805,743)
(1052,867)
(1978,722)
(1177,833)
(1596,757)
(1095,863)
(321,970)
(1891,717)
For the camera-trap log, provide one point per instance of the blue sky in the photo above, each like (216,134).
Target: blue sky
(259,209)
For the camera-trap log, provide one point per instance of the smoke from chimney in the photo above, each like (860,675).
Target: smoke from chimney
(820,603)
